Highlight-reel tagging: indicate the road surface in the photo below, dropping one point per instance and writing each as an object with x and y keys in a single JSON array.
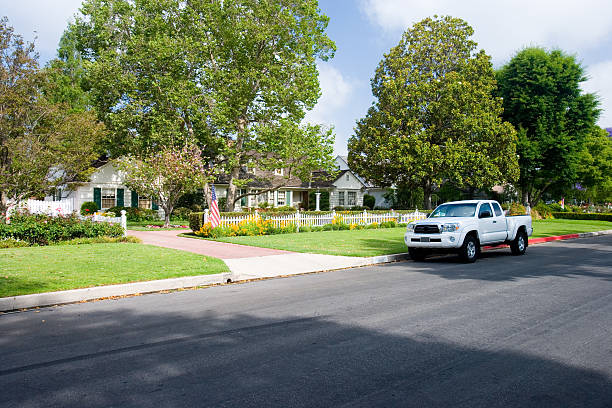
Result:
[{"x": 506, "y": 331}]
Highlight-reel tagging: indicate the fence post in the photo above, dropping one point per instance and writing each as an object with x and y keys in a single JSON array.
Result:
[
  {"x": 124, "y": 222},
  {"x": 205, "y": 219},
  {"x": 297, "y": 219}
]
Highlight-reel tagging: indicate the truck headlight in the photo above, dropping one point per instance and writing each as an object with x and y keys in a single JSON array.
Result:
[
  {"x": 410, "y": 227},
  {"x": 450, "y": 227}
]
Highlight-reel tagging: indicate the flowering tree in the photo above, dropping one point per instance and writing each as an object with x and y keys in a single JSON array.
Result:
[{"x": 166, "y": 175}]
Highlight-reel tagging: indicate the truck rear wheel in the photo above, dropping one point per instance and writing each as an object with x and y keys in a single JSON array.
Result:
[
  {"x": 417, "y": 254},
  {"x": 469, "y": 249},
  {"x": 519, "y": 245}
]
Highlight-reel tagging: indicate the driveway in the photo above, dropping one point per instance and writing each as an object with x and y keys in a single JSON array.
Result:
[{"x": 170, "y": 239}]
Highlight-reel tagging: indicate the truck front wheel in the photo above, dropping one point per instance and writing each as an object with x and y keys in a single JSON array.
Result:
[
  {"x": 469, "y": 249},
  {"x": 519, "y": 245}
]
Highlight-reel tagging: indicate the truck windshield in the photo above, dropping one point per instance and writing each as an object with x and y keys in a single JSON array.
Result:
[{"x": 454, "y": 210}]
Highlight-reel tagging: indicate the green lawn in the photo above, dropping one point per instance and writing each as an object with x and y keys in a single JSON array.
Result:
[
  {"x": 386, "y": 241},
  {"x": 50, "y": 268},
  {"x": 547, "y": 228}
]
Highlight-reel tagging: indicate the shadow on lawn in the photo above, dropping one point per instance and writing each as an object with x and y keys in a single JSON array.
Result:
[{"x": 120, "y": 357}]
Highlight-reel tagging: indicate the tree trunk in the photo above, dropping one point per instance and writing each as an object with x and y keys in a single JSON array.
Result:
[
  {"x": 231, "y": 189},
  {"x": 207, "y": 194},
  {"x": 427, "y": 194},
  {"x": 525, "y": 196},
  {"x": 167, "y": 217}
]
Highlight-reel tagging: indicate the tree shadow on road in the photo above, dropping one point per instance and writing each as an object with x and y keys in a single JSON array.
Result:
[
  {"x": 568, "y": 259},
  {"x": 103, "y": 356}
]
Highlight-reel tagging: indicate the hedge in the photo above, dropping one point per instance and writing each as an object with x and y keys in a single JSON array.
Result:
[
  {"x": 583, "y": 216},
  {"x": 43, "y": 230}
]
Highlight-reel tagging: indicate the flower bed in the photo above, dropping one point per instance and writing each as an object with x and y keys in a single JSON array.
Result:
[{"x": 269, "y": 227}]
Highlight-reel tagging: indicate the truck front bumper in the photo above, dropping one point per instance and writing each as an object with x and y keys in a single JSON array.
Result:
[{"x": 445, "y": 240}]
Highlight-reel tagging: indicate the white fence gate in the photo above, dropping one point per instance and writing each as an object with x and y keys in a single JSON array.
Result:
[{"x": 317, "y": 220}]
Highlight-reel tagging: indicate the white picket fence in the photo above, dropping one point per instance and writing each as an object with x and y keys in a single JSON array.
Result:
[
  {"x": 317, "y": 220},
  {"x": 53, "y": 208}
]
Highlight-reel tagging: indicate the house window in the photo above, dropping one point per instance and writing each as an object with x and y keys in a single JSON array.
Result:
[
  {"x": 352, "y": 198},
  {"x": 348, "y": 178},
  {"x": 108, "y": 197},
  {"x": 278, "y": 172},
  {"x": 144, "y": 202},
  {"x": 341, "y": 198},
  {"x": 281, "y": 198}
]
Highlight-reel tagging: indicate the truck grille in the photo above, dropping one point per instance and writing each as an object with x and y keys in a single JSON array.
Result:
[{"x": 426, "y": 229}]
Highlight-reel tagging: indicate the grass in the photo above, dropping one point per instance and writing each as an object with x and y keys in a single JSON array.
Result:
[
  {"x": 142, "y": 225},
  {"x": 385, "y": 241},
  {"x": 50, "y": 268},
  {"x": 547, "y": 228}
]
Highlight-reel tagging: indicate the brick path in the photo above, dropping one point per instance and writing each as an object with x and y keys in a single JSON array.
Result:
[{"x": 169, "y": 239}]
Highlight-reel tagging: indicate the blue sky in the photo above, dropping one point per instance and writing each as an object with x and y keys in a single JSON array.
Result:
[{"x": 366, "y": 29}]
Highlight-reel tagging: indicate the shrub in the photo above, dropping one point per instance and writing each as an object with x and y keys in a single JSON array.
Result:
[
  {"x": 88, "y": 208},
  {"x": 543, "y": 211},
  {"x": 180, "y": 213},
  {"x": 583, "y": 216},
  {"x": 12, "y": 243},
  {"x": 43, "y": 230},
  {"x": 515, "y": 209},
  {"x": 369, "y": 201},
  {"x": 135, "y": 214}
]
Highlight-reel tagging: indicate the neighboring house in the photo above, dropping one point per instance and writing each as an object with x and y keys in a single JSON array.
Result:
[
  {"x": 377, "y": 192},
  {"x": 346, "y": 189},
  {"x": 106, "y": 189}
]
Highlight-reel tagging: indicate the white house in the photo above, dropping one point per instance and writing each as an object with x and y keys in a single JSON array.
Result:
[
  {"x": 107, "y": 189},
  {"x": 346, "y": 189}
]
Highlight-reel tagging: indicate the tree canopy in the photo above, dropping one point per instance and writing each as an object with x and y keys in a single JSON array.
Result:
[
  {"x": 236, "y": 76},
  {"x": 43, "y": 144},
  {"x": 435, "y": 119},
  {"x": 553, "y": 117}
]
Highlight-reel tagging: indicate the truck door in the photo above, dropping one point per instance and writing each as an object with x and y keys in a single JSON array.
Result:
[
  {"x": 499, "y": 224},
  {"x": 485, "y": 223}
]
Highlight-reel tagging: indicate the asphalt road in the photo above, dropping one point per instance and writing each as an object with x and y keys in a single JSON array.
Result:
[{"x": 505, "y": 331}]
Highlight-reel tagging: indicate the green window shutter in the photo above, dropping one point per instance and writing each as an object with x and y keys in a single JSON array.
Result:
[
  {"x": 134, "y": 200},
  {"x": 98, "y": 197},
  {"x": 243, "y": 200},
  {"x": 120, "y": 197},
  {"x": 154, "y": 206}
]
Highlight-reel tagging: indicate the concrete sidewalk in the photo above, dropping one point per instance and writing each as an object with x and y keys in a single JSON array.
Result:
[{"x": 245, "y": 263}]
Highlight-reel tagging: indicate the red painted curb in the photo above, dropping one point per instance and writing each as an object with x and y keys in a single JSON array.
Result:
[
  {"x": 556, "y": 238},
  {"x": 537, "y": 241}
]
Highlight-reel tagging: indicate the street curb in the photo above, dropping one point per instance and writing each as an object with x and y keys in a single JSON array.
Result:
[{"x": 98, "y": 292}]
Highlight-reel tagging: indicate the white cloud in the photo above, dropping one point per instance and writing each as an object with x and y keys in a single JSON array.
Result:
[
  {"x": 45, "y": 19},
  {"x": 600, "y": 83},
  {"x": 336, "y": 91},
  {"x": 504, "y": 26}
]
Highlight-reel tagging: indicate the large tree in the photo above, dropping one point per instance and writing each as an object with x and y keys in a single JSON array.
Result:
[
  {"x": 234, "y": 75},
  {"x": 595, "y": 167},
  {"x": 553, "y": 117},
  {"x": 435, "y": 119},
  {"x": 43, "y": 145}
]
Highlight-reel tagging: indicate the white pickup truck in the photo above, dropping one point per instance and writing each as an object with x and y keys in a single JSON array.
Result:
[{"x": 463, "y": 226}]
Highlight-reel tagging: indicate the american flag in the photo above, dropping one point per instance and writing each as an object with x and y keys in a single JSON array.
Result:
[{"x": 215, "y": 219}]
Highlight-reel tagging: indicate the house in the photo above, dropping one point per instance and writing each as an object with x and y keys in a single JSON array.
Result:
[
  {"x": 107, "y": 189},
  {"x": 346, "y": 189}
]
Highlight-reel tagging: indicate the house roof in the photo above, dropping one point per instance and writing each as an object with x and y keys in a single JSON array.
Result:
[{"x": 609, "y": 131}]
